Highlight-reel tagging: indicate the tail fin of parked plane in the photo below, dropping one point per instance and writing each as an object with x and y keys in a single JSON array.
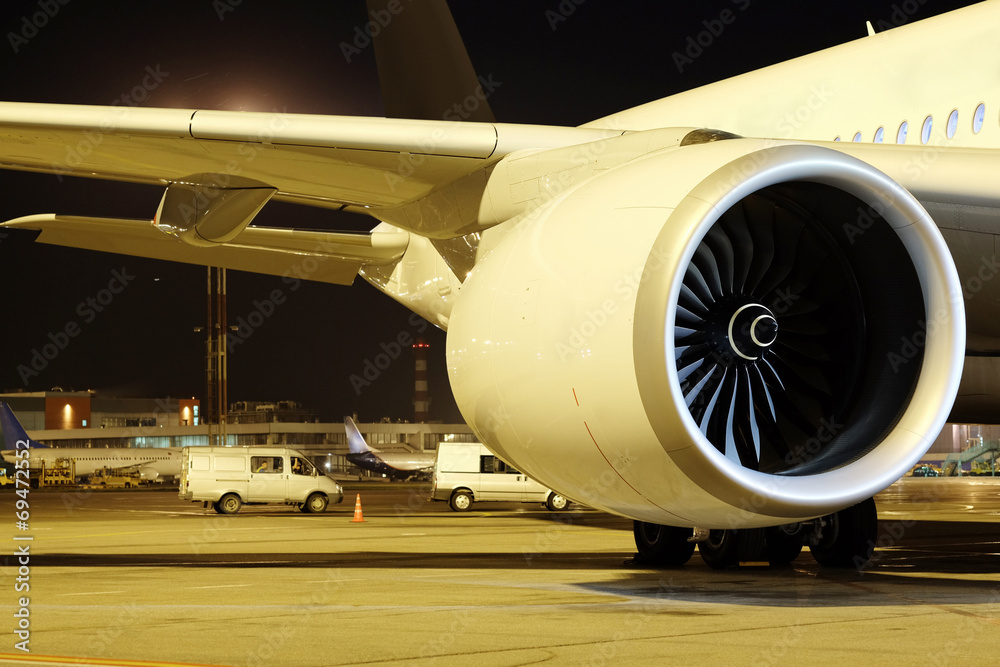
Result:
[
  {"x": 12, "y": 429},
  {"x": 356, "y": 441}
]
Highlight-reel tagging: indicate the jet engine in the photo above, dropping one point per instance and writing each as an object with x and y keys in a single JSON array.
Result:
[
  {"x": 149, "y": 474},
  {"x": 727, "y": 335}
]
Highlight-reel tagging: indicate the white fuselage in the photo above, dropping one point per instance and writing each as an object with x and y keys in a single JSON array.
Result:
[{"x": 164, "y": 462}]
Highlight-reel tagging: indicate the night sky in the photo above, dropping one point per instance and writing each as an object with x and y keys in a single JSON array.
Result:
[{"x": 553, "y": 62}]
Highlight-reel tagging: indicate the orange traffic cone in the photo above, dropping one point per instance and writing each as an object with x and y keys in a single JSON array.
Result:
[{"x": 358, "y": 516}]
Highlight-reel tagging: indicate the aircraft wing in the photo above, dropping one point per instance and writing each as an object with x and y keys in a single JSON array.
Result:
[
  {"x": 220, "y": 168},
  {"x": 330, "y": 161}
]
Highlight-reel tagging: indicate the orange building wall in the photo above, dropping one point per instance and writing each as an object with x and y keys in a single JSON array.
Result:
[
  {"x": 189, "y": 409},
  {"x": 63, "y": 413}
]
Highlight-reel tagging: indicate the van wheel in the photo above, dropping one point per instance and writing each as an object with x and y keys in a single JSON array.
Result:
[
  {"x": 216, "y": 507},
  {"x": 556, "y": 502},
  {"x": 461, "y": 501},
  {"x": 315, "y": 504},
  {"x": 229, "y": 504}
]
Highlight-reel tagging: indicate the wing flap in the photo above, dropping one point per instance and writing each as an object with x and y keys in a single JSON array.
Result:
[{"x": 323, "y": 256}]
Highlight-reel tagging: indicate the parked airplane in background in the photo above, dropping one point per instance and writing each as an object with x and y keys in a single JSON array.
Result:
[
  {"x": 393, "y": 464},
  {"x": 733, "y": 315},
  {"x": 152, "y": 463}
]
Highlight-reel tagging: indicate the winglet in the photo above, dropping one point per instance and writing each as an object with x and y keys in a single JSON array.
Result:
[
  {"x": 355, "y": 441},
  {"x": 13, "y": 431},
  {"x": 871, "y": 30}
]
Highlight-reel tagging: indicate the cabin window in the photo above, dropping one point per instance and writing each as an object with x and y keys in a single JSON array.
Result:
[
  {"x": 952, "y": 124},
  {"x": 925, "y": 129},
  {"x": 857, "y": 137},
  {"x": 979, "y": 118},
  {"x": 879, "y": 135},
  {"x": 901, "y": 134}
]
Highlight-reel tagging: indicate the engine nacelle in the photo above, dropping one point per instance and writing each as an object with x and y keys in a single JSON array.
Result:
[{"x": 734, "y": 334}]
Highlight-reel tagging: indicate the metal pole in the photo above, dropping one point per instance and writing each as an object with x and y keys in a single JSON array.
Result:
[{"x": 223, "y": 360}]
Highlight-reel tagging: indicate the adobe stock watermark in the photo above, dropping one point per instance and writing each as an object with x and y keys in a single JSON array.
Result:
[
  {"x": 77, "y": 154},
  {"x": 794, "y": 120},
  {"x": 901, "y": 14},
  {"x": 286, "y": 631},
  {"x": 409, "y": 163},
  {"x": 373, "y": 367},
  {"x": 87, "y": 310},
  {"x": 31, "y": 24},
  {"x": 696, "y": 45},
  {"x": 629, "y": 624},
  {"x": 247, "y": 324},
  {"x": 910, "y": 346},
  {"x": 595, "y": 319},
  {"x": 223, "y": 7},
  {"x": 444, "y": 643},
  {"x": 561, "y": 13},
  {"x": 378, "y": 21}
]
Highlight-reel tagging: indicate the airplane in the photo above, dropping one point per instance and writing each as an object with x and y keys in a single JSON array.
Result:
[
  {"x": 391, "y": 464},
  {"x": 152, "y": 463},
  {"x": 732, "y": 315}
]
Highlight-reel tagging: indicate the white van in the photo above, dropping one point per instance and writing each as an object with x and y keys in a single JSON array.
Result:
[
  {"x": 468, "y": 472},
  {"x": 230, "y": 477}
]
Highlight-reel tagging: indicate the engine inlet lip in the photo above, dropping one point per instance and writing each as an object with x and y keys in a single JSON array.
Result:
[{"x": 819, "y": 493}]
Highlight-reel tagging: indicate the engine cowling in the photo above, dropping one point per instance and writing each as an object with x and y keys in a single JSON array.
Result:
[{"x": 735, "y": 334}]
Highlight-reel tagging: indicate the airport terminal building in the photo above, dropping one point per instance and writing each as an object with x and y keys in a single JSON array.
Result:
[{"x": 83, "y": 419}]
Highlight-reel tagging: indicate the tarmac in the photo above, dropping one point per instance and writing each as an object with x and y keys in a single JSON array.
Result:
[{"x": 142, "y": 578}]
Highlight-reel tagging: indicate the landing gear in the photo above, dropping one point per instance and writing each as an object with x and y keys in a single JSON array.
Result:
[
  {"x": 662, "y": 546},
  {"x": 782, "y": 544},
  {"x": 847, "y": 538},
  {"x": 728, "y": 548},
  {"x": 844, "y": 539}
]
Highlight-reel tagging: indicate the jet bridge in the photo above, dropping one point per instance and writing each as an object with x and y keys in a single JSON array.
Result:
[{"x": 985, "y": 451}]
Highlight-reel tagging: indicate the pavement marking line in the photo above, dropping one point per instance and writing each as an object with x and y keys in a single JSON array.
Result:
[
  {"x": 219, "y": 586},
  {"x": 65, "y": 595},
  {"x": 102, "y": 662}
]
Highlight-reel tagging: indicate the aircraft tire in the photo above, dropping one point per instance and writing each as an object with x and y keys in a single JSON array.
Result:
[
  {"x": 661, "y": 546},
  {"x": 461, "y": 500},
  {"x": 230, "y": 504},
  {"x": 315, "y": 504},
  {"x": 849, "y": 538},
  {"x": 781, "y": 547},
  {"x": 556, "y": 502},
  {"x": 728, "y": 548}
]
